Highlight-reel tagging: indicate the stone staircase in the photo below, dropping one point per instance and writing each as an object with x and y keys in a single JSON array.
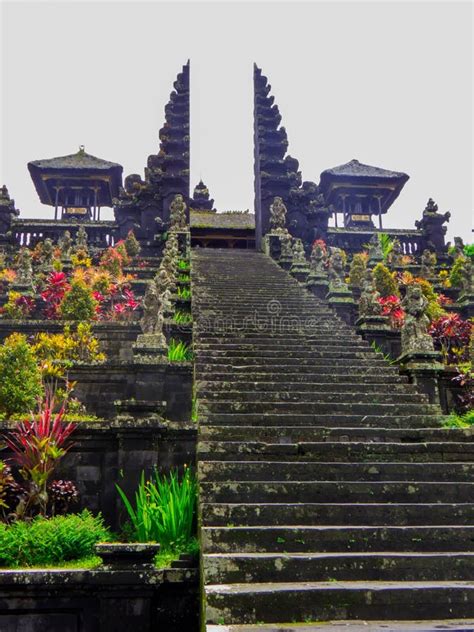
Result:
[{"x": 328, "y": 490}]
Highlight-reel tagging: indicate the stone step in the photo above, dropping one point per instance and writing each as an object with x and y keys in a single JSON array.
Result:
[
  {"x": 308, "y": 434},
  {"x": 371, "y": 377},
  {"x": 336, "y": 451},
  {"x": 212, "y": 471},
  {"x": 282, "y": 345},
  {"x": 322, "y": 601},
  {"x": 286, "y": 539},
  {"x": 453, "y": 625},
  {"x": 303, "y": 354},
  {"x": 362, "y": 514},
  {"x": 327, "y": 362},
  {"x": 326, "y": 420},
  {"x": 274, "y": 372},
  {"x": 322, "y": 406},
  {"x": 224, "y": 387},
  {"x": 231, "y": 568},
  {"x": 336, "y": 491},
  {"x": 293, "y": 395}
]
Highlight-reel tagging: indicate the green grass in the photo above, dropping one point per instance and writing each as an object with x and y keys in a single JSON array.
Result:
[
  {"x": 179, "y": 351},
  {"x": 459, "y": 421},
  {"x": 182, "y": 318},
  {"x": 184, "y": 293},
  {"x": 183, "y": 265}
]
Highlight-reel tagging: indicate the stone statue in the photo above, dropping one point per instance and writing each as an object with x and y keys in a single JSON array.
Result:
[
  {"x": 465, "y": 272},
  {"x": 375, "y": 250},
  {"x": 24, "y": 275},
  {"x": 415, "y": 336},
  {"x": 336, "y": 268},
  {"x": 428, "y": 262},
  {"x": 150, "y": 304},
  {"x": 47, "y": 255},
  {"x": 278, "y": 216},
  {"x": 65, "y": 243},
  {"x": 81, "y": 239},
  {"x": 431, "y": 224},
  {"x": 299, "y": 256},
  {"x": 318, "y": 258},
  {"x": 458, "y": 248},
  {"x": 286, "y": 247},
  {"x": 368, "y": 303},
  {"x": 178, "y": 213},
  {"x": 396, "y": 254},
  {"x": 164, "y": 280}
]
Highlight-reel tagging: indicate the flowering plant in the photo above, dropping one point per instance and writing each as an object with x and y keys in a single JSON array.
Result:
[{"x": 451, "y": 335}]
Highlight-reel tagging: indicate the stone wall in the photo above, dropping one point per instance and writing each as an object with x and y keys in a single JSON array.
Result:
[
  {"x": 99, "y": 600},
  {"x": 106, "y": 453}
]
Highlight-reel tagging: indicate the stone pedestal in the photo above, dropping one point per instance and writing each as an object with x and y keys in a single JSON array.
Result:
[
  {"x": 285, "y": 263},
  {"x": 318, "y": 285},
  {"x": 299, "y": 271},
  {"x": 341, "y": 300},
  {"x": 272, "y": 246},
  {"x": 150, "y": 349},
  {"x": 376, "y": 328},
  {"x": 423, "y": 369}
]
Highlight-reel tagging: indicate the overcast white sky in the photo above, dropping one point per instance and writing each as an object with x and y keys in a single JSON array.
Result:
[{"x": 387, "y": 83}]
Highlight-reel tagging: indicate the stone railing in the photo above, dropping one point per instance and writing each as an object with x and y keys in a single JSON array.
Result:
[
  {"x": 353, "y": 240},
  {"x": 27, "y": 232}
]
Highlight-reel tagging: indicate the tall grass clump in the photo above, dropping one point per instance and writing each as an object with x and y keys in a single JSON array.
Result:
[{"x": 164, "y": 510}]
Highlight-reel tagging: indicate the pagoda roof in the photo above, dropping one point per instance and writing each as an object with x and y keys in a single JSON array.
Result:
[
  {"x": 229, "y": 220},
  {"x": 358, "y": 169},
  {"x": 79, "y": 160}
]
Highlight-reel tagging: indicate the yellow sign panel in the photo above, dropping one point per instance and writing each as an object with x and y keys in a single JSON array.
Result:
[
  {"x": 76, "y": 210},
  {"x": 360, "y": 218}
]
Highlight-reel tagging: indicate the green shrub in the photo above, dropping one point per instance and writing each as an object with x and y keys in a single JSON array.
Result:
[
  {"x": 184, "y": 292},
  {"x": 385, "y": 282},
  {"x": 181, "y": 317},
  {"x": 457, "y": 271},
  {"x": 164, "y": 510},
  {"x": 78, "y": 303},
  {"x": 132, "y": 246},
  {"x": 386, "y": 243},
  {"x": 20, "y": 376},
  {"x": 460, "y": 421},
  {"x": 358, "y": 268},
  {"x": 51, "y": 540}
]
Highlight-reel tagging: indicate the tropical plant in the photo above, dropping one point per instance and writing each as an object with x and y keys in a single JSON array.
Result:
[
  {"x": 48, "y": 541},
  {"x": 132, "y": 246},
  {"x": 38, "y": 445},
  {"x": 18, "y": 306},
  {"x": 179, "y": 351},
  {"x": 451, "y": 335},
  {"x": 460, "y": 421},
  {"x": 392, "y": 307},
  {"x": 386, "y": 243},
  {"x": 164, "y": 510},
  {"x": 20, "y": 377},
  {"x": 53, "y": 293},
  {"x": 183, "y": 264},
  {"x": 464, "y": 380},
  {"x": 78, "y": 302},
  {"x": 469, "y": 250},
  {"x": 456, "y": 275},
  {"x": 384, "y": 280}
]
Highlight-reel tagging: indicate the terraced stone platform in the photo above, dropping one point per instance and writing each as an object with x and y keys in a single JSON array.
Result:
[{"x": 328, "y": 489}]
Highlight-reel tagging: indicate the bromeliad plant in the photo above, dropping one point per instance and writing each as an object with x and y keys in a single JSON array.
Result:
[
  {"x": 164, "y": 510},
  {"x": 38, "y": 445}
]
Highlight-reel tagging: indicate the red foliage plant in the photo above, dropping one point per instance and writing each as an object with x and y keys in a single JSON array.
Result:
[
  {"x": 56, "y": 287},
  {"x": 38, "y": 445},
  {"x": 391, "y": 307},
  {"x": 451, "y": 335}
]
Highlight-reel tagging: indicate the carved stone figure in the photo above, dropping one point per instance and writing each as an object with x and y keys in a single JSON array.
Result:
[
  {"x": 81, "y": 239},
  {"x": 428, "y": 262},
  {"x": 368, "y": 303},
  {"x": 318, "y": 259},
  {"x": 47, "y": 254},
  {"x": 415, "y": 336},
  {"x": 152, "y": 319},
  {"x": 178, "y": 213},
  {"x": 375, "y": 250},
  {"x": 299, "y": 256},
  {"x": 458, "y": 248},
  {"x": 65, "y": 243},
  {"x": 24, "y": 274},
  {"x": 337, "y": 269},
  {"x": 286, "y": 248},
  {"x": 465, "y": 272},
  {"x": 396, "y": 254},
  {"x": 431, "y": 224},
  {"x": 278, "y": 216}
]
